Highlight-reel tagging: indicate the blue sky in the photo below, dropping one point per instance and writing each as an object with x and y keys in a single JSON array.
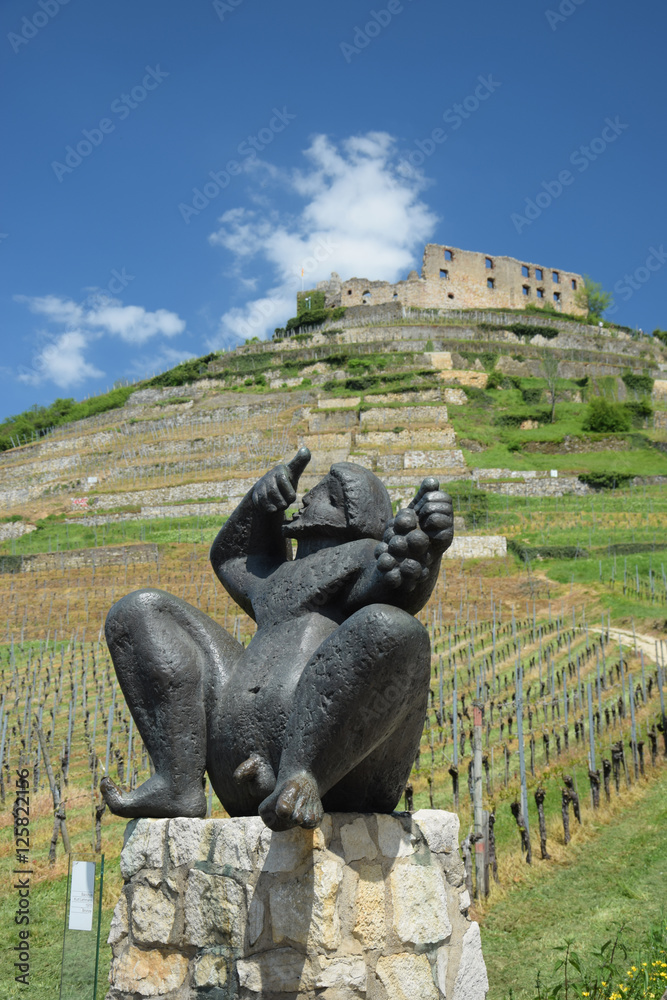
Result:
[{"x": 169, "y": 168}]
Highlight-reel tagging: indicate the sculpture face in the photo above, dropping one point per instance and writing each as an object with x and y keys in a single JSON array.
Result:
[{"x": 322, "y": 512}]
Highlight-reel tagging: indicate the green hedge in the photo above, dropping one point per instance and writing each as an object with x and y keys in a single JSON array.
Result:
[
  {"x": 605, "y": 480},
  {"x": 526, "y": 331},
  {"x": 37, "y": 421},
  {"x": 529, "y": 552},
  {"x": 187, "y": 371},
  {"x": 638, "y": 383}
]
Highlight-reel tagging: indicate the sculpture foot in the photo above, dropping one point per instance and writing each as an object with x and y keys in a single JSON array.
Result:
[
  {"x": 256, "y": 771},
  {"x": 296, "y": 802},
  {"x": 154, "y": 799}
]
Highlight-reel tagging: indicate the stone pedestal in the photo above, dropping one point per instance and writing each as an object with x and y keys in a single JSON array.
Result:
[{"x": 367, "y": 907}]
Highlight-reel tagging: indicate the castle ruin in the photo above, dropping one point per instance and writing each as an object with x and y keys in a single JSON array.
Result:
[{"x": 463, "y": 279}]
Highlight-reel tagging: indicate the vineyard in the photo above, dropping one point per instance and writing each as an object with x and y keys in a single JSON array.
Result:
[{"x": 545, "y": 727}]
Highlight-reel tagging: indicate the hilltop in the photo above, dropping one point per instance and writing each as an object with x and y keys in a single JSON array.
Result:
[{"x": 465, "y": 395}]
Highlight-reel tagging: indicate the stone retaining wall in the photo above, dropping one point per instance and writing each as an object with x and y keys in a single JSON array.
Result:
[
  {"x": 365, "y": 906},
  {"x": 477, "y": 547},
  {"x": 118, "y": 555},
  {"x": 538, "y": 487}
]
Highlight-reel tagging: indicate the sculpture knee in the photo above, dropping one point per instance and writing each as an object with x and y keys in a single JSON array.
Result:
[
  {"x": 396, "y": 635},
  {"x": 130, "y": 612}
]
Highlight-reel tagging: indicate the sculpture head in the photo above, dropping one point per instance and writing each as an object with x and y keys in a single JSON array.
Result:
[{"x": 350, "y": 502}]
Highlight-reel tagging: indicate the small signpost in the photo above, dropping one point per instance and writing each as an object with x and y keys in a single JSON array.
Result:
[{"x": 81, "y": 935}]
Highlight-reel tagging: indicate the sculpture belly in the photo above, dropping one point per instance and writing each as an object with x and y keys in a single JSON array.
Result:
[{"x": 250, "y": 713}]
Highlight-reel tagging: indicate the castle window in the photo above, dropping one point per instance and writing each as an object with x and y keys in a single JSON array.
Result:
[
  {"x": 449, "y": 255},
  {"x": 539, "y": 274},
  {"x": 449, "y": 295},
  {"x": 540, "y": 293},
  {"x": 526, "y": 290},
  {"x": 525, "y": 271},
  {"x": 556, "y": 296},
  {"x": 490, "y": 283},
  {"x": 395, "y": 295},
  {"x": 488, "y": 262},
  {"x": 556, "y": 276},
  {"x": 366, "y": 297},
  {"x": 574, "y": 285},
  {"x": 349, "y": 291},
  {"x": 444, "y": 274}
]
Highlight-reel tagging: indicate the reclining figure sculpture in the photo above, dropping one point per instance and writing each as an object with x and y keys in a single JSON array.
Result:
[{"x": 324, "y": 708}]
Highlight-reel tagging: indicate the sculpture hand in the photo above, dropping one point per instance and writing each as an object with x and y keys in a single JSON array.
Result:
[
  {"x": 277, "y": 489},
  {"x": 415, "y": 537},
  {"x": 435, "y": 512},
  {"x": 402, "y": 555}
]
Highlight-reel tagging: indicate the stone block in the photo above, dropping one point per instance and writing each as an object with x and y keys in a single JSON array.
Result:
[
  {"x": 357, "y": 842},
  {"x": 370, "y": 923},
  {"x": 471, "y": 981},
  {"x": 281, "y": 971},
  {"x": 407, "y": 976},
  {"x": 153, "y": 916},
  {"x": 304, "y": 909},
  {"x": 213, "y": 909},
  {"x": 420, "y": 905},
  {"x": 148, "y": 973},
  {"x": 144, "y": 846},
  {"x": 363, "y": 906}
]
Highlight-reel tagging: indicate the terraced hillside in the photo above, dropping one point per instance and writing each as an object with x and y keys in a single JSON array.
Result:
[{"x": 467, "y": 401}]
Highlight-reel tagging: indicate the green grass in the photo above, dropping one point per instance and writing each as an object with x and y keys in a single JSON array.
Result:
[
  {"x": 615, "y": 878},
  {"x": 54, "y": 536}
]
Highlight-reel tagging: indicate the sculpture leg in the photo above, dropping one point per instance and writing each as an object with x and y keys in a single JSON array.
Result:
[
  {"x": 357, "y": 716},
  {"x": 169, "y": 657}
]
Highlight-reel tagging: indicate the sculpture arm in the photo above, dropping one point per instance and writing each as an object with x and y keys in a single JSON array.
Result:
[{"x": 250, "y": 545}]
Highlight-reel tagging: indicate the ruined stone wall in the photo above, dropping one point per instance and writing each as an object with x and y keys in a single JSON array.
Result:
[{"x": 464, "y": 279}]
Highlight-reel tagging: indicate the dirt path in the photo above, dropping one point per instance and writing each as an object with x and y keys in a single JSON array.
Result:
[{"x": 645, "y": 643}]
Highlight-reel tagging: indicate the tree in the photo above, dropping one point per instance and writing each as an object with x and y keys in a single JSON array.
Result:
[
  {"x": 550, "y": 370},
  {"x": 591, "y": 297}
]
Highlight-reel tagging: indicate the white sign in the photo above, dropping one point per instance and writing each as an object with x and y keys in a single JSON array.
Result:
[
  {"x": 81, "y": 896},
  {"x": 554, "y": 473},
  {"x": 92, "y": 479}
]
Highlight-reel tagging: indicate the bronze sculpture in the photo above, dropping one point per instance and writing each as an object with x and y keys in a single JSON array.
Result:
[{"x": 324, "y": 709}]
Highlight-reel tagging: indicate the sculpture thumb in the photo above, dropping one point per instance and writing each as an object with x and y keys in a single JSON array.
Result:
[
  {"x": 429, "y": 485},
  {"x": 298, "y": 464}
]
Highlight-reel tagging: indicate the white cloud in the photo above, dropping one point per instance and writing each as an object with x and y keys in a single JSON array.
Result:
[
  {"x": 62, "y": 361},
  {"x": 133, "y": 324},
  {"x": 361, "y": 215}
]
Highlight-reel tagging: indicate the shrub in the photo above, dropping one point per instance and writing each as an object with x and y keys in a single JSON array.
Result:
[
  {"x": 605, "y": 480},
  {"x": 638, "y": 383},
  {"x": 531, "y": 394},
  {"x": 525, "y": 331},
  {"x": 527, "y": 553},
  {"x": 495, "y": 380},
  {"x": 515, "y": 419},
  {"x": 603, "y": 417},
  {"x": 187, "y": 371},
  {"x": 639, "y": 411}
]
